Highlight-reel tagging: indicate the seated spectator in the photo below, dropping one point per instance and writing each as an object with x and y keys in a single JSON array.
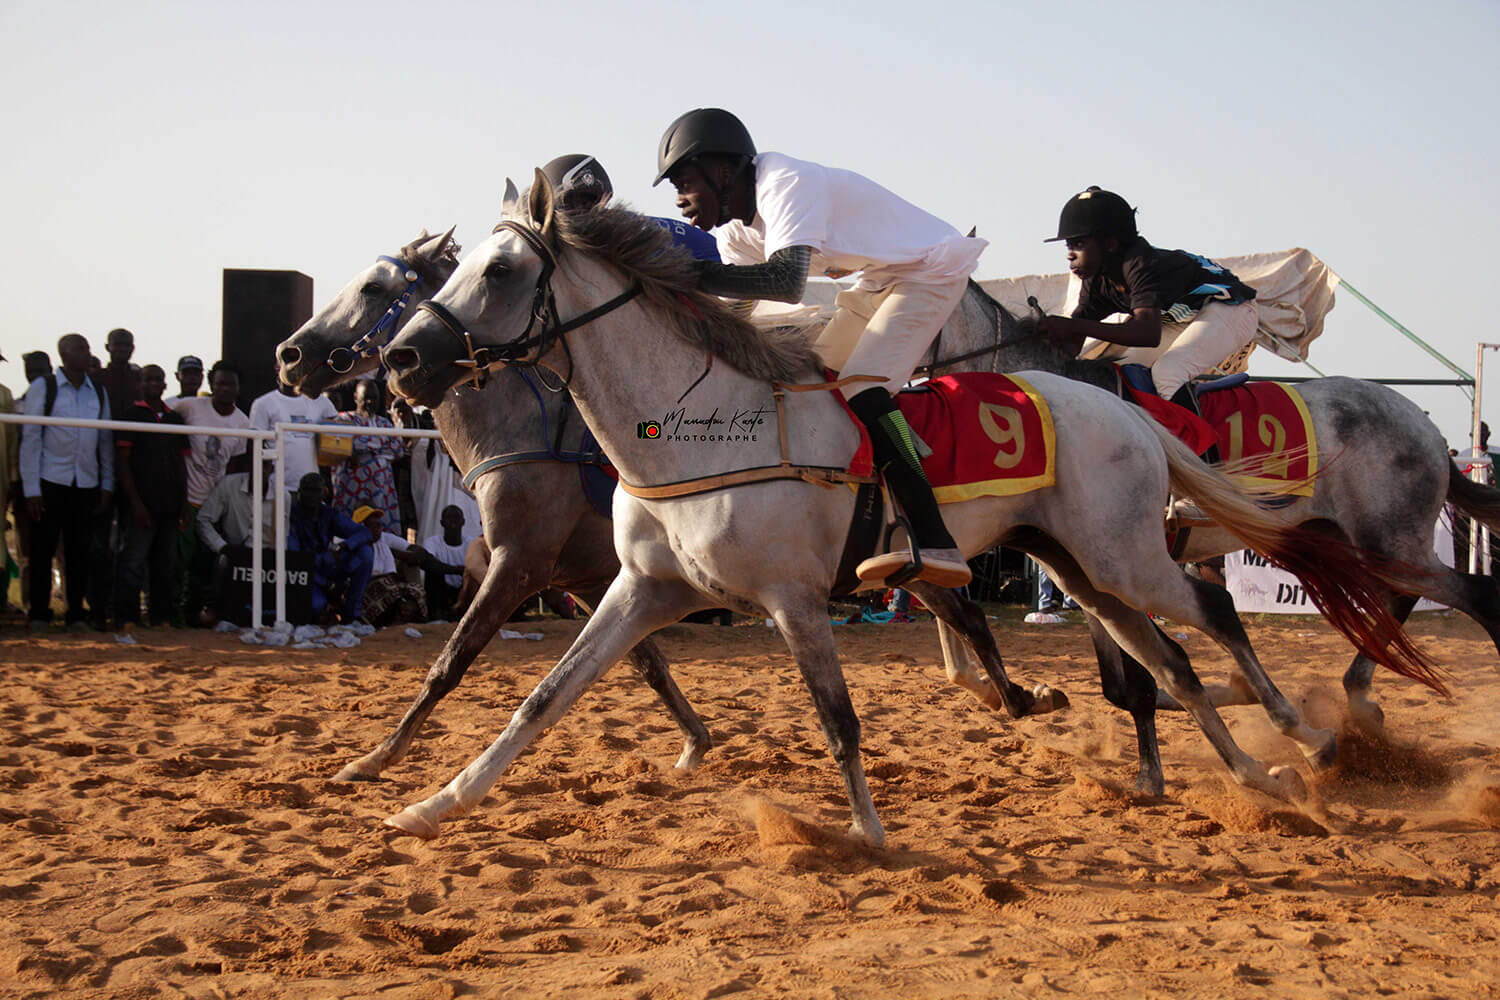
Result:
[
  {"x": 390, "y": 598},
  {"x": 312, "y": 526},
  {"x": 224, "y": 523},
  {"x": 368, "y": 476},
  {"x": 189, "y": 376},
  {"x": 68, "y": 477},
  {"x": 444, "y": 578},
  {"x": 152, "y": 473},
  {"x": 10, "y": 444}
]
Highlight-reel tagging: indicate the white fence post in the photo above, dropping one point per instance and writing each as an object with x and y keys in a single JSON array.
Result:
[{"x": 257, "y": 535}]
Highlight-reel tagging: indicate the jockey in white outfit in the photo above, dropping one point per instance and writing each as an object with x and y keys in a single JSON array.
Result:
[{"x": 776, "y": 219}]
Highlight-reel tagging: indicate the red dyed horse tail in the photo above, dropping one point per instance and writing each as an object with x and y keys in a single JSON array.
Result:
[{"x": 1347, "y": 584}]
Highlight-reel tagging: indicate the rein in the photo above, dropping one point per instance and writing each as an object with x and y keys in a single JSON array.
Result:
[
  {"x": 551, "y": 450},
  {"x": 343, "y": 359},
  {"x": 543, "y": 311}
]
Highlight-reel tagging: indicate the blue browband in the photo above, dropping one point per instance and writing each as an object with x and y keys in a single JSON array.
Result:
[{"x": 342, "y": 360}]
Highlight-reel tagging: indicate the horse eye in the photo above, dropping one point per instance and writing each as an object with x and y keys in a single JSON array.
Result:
[
  {"x": 371, "y": 288},
  {"x": 496, "y": 269}
]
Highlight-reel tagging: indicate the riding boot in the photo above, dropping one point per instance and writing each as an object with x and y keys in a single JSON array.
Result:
[
  {"x": 896, "y": 457},
  {"x": 1187, "y": 398}
]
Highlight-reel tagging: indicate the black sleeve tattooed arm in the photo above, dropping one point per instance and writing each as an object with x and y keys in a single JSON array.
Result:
[{"x": 781, "y": 278}]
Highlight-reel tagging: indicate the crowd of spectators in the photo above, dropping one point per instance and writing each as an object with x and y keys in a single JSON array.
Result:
[{"x": 144, "y": 529}]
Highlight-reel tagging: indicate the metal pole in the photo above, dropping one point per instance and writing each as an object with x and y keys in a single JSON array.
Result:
[
  {"x": 1408, "y": 334},
  {"x": 279, "y": 529},
  {"x": 257, "y": 535}
]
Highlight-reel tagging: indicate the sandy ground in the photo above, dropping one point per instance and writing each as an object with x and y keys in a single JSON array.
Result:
[{"x": 170, "y": 830}]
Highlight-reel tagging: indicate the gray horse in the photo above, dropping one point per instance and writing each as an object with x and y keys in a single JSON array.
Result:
[
  {"x": 506, "y": 420},
  {"x": 1384, "y": 476},
  {"x": 753, "y": 525}
]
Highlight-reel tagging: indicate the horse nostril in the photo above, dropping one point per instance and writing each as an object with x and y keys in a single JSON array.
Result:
[
  {"x": 289, "y": 356},
  {"x": 401, "y": 359}
]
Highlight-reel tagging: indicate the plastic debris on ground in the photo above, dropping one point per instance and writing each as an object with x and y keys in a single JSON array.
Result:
[
  {"x": 1044, "y": 618},
  {"x": 305, "y": 633},
  {"x": 125, "y": 639},
  {"x": 226, "y": 627},
  {"x": 251, "y": 637},
  {"x": 411, "y": 633},
  {"x": 506, "y": 633}
]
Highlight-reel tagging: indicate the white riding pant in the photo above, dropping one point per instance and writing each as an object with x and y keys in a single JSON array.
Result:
[
  {"x": 1188, "y": 350},
  {"x": 885, "y": 332}
]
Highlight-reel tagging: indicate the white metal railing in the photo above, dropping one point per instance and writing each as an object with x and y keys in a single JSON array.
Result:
[{"x": 257, "y": 439}]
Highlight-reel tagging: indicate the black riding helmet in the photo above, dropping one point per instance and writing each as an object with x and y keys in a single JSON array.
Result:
[
  {"x": 579, "y": 180},
  {"x": 1095, "y": 212},
  {"x": 700, "y": 132}
]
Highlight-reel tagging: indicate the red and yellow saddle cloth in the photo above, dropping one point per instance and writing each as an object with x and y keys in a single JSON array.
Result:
[
  {"x": 990, "y": 435},
  {"x": 1268, "y": 424}
]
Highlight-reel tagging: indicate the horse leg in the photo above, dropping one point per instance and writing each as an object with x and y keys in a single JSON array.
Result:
[
  {"x": 1149, "y": 579},
  {"x": 1365, "y": 711},
  {"x": 804, "y": 624},
  {"x": 967, "y": 618},
  {"x": 505, "y": 586},
  {"x": 633, "y": 607},
  {"x": 1217, "y": 618},
  {"x": 1129, "y": 686},
  {"x": 964, "y": 671},
  {"x": 648, "y": 661}
]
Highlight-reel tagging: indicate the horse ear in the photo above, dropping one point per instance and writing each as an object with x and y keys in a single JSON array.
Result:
[
  {"x": 542, "y": 204},
  {"x": 433, "y": 248},
  {"x": 973, "y": 231},
  {"x": 510, "y": 205}
]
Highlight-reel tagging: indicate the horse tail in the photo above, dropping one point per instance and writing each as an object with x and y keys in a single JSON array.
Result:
[
  {"x": 1479, "y": 500},
  {"x": 1347, "y": 584}
]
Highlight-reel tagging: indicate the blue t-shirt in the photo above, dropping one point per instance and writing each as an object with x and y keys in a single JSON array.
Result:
[{"x": 692, "y": 239}]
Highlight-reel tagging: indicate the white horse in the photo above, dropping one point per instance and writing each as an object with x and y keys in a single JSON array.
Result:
[
  {"x": 540, "y": 527},
  {"x": 765, "y": 532}
]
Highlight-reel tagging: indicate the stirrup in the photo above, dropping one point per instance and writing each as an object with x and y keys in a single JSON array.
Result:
[{"x": 895, "y": 568}]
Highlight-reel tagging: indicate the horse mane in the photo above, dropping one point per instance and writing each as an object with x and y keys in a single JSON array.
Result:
[{"x": 668, "y": 276}]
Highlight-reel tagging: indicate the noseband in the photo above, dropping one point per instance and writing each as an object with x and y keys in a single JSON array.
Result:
[
  {"x": 343, "y": 359},
  {"x": 527, "y": 349}
]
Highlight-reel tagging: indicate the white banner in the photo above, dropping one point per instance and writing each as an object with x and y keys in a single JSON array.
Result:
[{"x": 1260, "y": 588}]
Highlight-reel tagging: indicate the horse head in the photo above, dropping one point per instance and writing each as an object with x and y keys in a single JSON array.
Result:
[
  {"x": 485, "y": 313},
  {"x": 342, "y": 341}
]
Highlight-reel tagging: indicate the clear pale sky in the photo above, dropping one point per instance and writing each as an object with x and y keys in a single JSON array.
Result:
[{"x": 151, "y": 146}]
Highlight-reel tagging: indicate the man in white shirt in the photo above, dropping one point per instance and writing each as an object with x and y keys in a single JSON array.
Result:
[
  {"x": 283, "y": 405},
  {"x": 447, "y": 548},
  {"x": 68, "y": 479},
  {"x": 778, "y": 217},
  {"x": 208, "y": 458}
]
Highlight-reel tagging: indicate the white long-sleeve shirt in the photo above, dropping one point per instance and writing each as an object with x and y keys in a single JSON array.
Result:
[{"x": 67, "y": 456}]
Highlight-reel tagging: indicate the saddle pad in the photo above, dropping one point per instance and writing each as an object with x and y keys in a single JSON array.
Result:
[
  {"x": 990, "y": 435},
  {"x": 1265, "y": 421}
]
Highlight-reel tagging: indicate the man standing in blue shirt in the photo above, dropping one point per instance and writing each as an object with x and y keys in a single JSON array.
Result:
[{"x": 68, "y": 479}]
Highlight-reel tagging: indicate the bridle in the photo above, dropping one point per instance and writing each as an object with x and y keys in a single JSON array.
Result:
[
  {"x": 343, "y": 359},
  {"x": 526, "y": 350}
]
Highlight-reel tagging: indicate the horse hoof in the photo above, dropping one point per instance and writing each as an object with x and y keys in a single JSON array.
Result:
[
  {"x": 873, "y": 836},
  {"x": 1368, "y": 717},
  {"x": 1150, "y": 786},
  {"x": 357, "y": 771},
  {"x": 692, "y": 756},
  {"x": 1046, "y": 699},
  {"x": 1327, "y": 753},
  {"x": 1289, "y": 784},
  {"x": 411, "y": 820}
]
